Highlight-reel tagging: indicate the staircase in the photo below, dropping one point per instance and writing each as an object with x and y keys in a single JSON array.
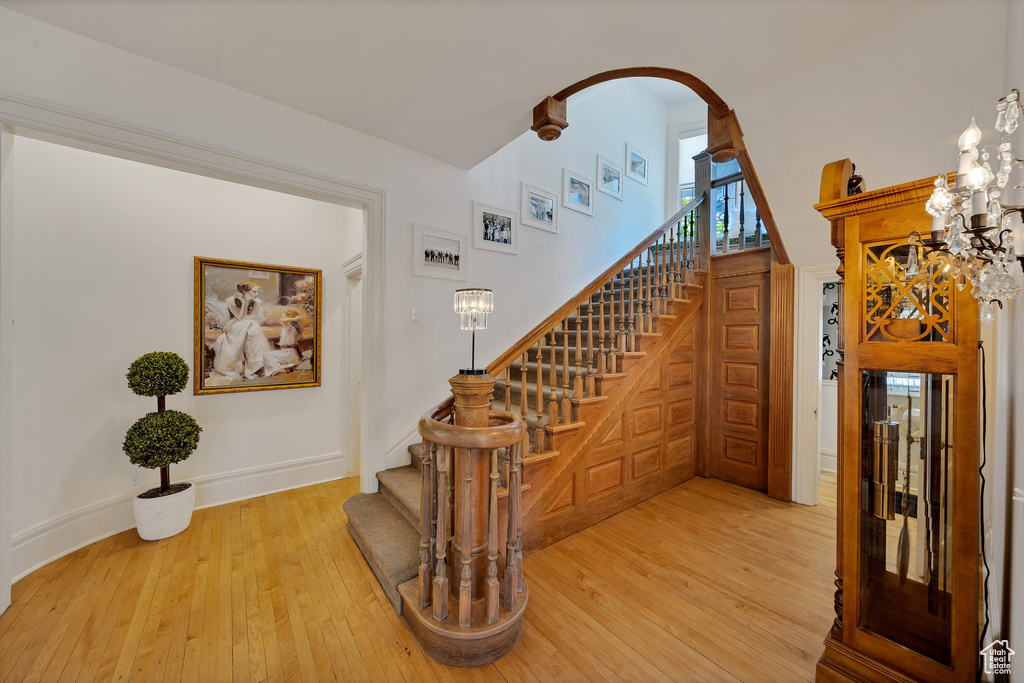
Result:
[{"x": 566, "y": 380}]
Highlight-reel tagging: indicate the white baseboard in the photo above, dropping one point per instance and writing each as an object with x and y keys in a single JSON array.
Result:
[
  {"x": 829, "y": 461},
  {"x": 54, "y": 538}
]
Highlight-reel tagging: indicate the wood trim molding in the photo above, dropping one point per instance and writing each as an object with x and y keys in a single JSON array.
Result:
[
  {"x": 780, "y": 369},
  {"x": 915, "y": 192},
  {"x": 725, "y": 138},
  {"x": 716, "y": 103}
]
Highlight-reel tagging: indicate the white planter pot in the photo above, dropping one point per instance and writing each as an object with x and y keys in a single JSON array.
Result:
[{"x": 164, "y": 516}]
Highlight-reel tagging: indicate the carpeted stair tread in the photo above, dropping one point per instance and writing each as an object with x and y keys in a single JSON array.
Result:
[
  {"x": 401, "y": 486},
  {"x": 388, "y": 542}
]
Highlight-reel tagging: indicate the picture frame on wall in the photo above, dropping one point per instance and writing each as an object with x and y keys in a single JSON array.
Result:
[
  {"x": 539, "y": 208},
  {"x": 638, "y": 164},
  {"x": 438, "y": 253},
  {"x": 495, "y": 228},
  {"x": 257, "y": 326},
  {"x": 577, "y": 192},
  {"x": 609, "y": 177}
]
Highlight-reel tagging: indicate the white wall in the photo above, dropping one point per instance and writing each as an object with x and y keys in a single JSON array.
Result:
[
  {"x": 871, "y": 94},
  {"x": 6, "y": 366},
  {"x": 1005, "y": 525},
  {"x": 103, "y": 274}
]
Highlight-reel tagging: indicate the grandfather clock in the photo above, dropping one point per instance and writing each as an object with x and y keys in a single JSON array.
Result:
[{"x": 907, "y": 568}]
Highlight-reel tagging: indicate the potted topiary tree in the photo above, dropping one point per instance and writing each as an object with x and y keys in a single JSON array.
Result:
[{"x": 157, "y": 441}]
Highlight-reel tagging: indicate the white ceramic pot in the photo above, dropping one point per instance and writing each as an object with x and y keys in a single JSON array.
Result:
[{"x": 164, "y": 516}]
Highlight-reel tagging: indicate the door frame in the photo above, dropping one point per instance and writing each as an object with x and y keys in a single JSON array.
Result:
[
  {"x": 51, "y": 122},
  {"x": 807, "y": 459},
  {"x": 353, "y": 272}
]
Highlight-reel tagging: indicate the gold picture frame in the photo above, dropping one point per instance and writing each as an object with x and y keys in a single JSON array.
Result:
[{"x": 257, "y": 326}]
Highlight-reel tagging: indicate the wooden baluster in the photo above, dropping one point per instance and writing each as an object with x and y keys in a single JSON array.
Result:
[
  {"x": 524, "y": 408},
  {"x": 645, "y": 292},
  {"x": 620, "y": 345},
  {"x": 427, "y": 522},
  {"x": 566, "y": 405},
  {"x": 725, "y": 220},
  {"x": 508, "y": 389},
  {"x": 677, "y": 272},
  {"x": 612, "y": 360},
  {"x": 538, "y": 433},
  {"x": 577, "y": 385},
  {"x": 440, "y": 596},
  {"x": 491, "y": 585},
  {"x": 511, "y": 575},
  {"x": 466, "y": 545},
  {"x": 634, "y": 305},
  {"x": 662, "y": 280},
  {"x": 591, "y": 386},
  {"x": 743, "y": 193},
  {"x": 670, "y": 273},
  {"x": 553, "y": 381},
  {"x": 602, "y": 355},
  {"x": 518, "y": 490},
  {"x": 757, "y": 226}
]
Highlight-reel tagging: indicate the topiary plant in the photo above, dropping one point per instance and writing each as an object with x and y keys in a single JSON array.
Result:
[{"x": 159, "y": 439}]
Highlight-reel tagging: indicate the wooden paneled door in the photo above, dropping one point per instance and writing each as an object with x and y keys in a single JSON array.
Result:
[{"x": 738, "y": 356}]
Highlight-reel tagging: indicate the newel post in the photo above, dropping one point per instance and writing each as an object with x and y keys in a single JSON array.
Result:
[{"x": 470, "y": 481}]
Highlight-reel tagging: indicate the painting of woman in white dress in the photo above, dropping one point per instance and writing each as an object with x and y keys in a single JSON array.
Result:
[{"x": 257, "y": 326}]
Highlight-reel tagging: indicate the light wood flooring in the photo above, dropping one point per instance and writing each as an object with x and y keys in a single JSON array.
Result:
[{"x": 707, "y": 581}]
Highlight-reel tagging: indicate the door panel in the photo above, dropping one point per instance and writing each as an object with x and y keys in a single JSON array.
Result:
[{"x": 738, "y": 355}]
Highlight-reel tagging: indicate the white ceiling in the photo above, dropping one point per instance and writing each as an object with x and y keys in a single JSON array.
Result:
[{"x": 453, "y": 79}]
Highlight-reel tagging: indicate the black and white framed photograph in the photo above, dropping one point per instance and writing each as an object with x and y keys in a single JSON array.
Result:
[
  {"x": 638, "y": 164},
  {"x": 609, "y": 177},
  {"x": 539, "y": 208},
  {"x": 438, "y": 253},
  {"x": 495, "y": 228},
  {"x": 577, "y": 192}
]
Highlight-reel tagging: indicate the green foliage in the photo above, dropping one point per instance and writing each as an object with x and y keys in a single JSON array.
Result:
[
  {"x": 161, "y": 439},
  {"x": 160, "y": 373}
]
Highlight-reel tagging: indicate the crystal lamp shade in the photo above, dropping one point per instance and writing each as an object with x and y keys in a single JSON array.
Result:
[{"x": 473, "y": 305}]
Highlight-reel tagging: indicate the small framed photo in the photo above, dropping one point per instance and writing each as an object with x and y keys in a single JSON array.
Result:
[
  {"x": 637, "y": 164},
  {"x": 495, "y": 228},
  {"x": 437, "y": 253},
  {"x": 609, "y": 177},
  {"x": 539, "y": 208},
  {"x": 577, "y": 192}
]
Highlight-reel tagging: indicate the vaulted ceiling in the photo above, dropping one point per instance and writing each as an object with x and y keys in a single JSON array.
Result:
[
  {"x": 455, "y": 79},
  {"x": 811, "y": 80}
]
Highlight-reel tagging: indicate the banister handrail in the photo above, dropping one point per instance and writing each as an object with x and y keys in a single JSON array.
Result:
[
  {"x": 531, "y": 338},
  {"x": 504, "y": 430}
]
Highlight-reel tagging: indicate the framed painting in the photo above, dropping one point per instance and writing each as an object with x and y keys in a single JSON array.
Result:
[
  {"x": 577, "y": 192},
  {"x": 539, "y": 208},
  {"x": 438, "y": 253},
  {"x": 257, "y": 326},
  {"x": 609, "y": 177},
  {"x": 495, "y": 228},
  {"x": 638, "y": 164}
]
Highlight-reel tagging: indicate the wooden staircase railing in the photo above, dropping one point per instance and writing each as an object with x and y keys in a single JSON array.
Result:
[
  {"x": 597, "y": 328},
  {"x": 459, "y": 530},
  {"x": 624, "y": 299}
]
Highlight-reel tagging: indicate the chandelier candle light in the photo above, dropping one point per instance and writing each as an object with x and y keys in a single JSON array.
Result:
[
  {"x": 972, "y": 233},
  {"x": 473, "y": 305}
]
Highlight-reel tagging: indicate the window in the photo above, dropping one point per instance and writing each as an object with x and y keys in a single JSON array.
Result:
[{"x": 689, "y": 147}]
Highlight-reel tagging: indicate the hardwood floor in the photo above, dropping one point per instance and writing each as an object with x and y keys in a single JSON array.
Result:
[{"x": 707, "y": 581}]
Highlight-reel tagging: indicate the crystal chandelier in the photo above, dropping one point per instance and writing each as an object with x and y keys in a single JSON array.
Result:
[{"x": 972, "y": 234}]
